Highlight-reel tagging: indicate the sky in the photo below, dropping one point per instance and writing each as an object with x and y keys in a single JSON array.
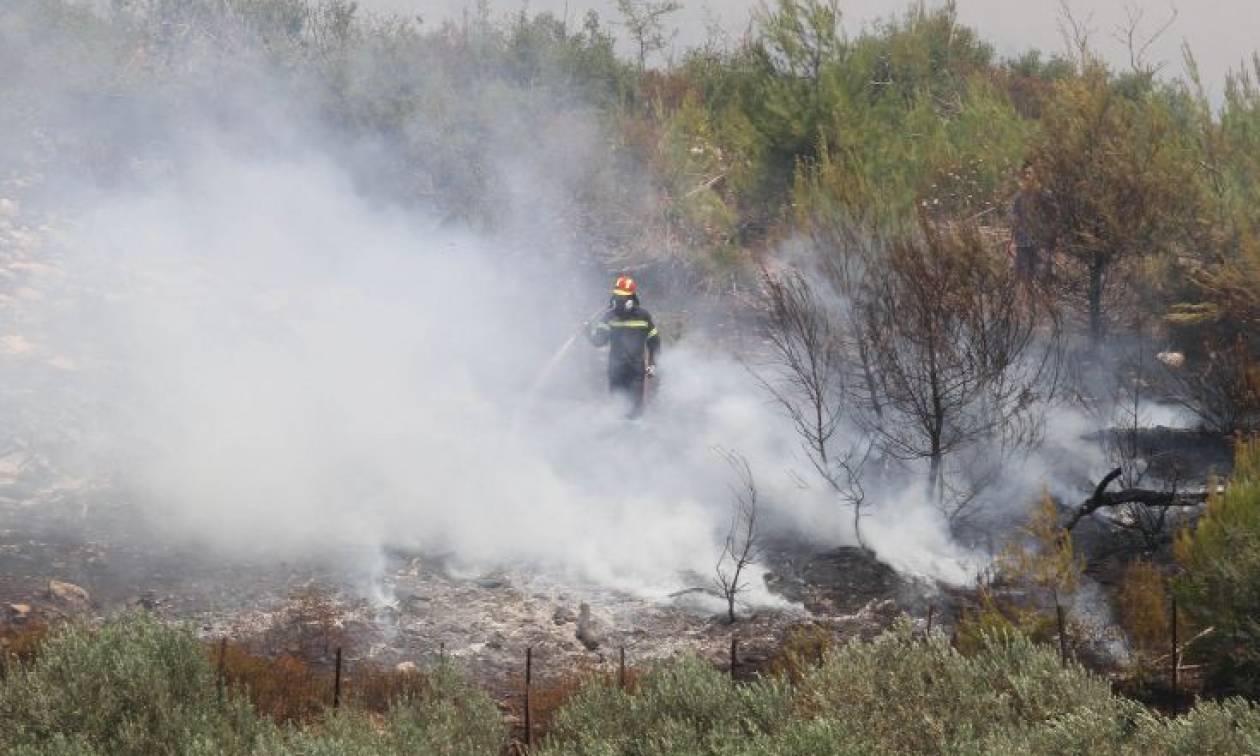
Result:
[{"x": 1221, "y": 32}]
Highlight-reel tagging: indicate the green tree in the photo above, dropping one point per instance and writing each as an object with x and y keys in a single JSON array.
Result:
[{"x": 1114, "y": 186}]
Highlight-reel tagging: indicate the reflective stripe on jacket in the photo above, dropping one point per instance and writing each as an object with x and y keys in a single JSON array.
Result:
[{"x": 629, "y": 338}]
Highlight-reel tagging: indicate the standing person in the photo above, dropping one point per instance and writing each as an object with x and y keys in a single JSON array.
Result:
[{"x": 633, "y": 343}]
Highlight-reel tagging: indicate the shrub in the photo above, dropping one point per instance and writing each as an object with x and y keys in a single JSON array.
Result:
[
  {"x": 1144, "y": 608},
  {"x": 1220, "y": 584},
  {"x": 135, "y": 686},
  {"x": 805, "y": 647},
  {"x": 131, "y": 686},
  {"x": 285, "y": 689},
  {"x": 687, "y": 707},
  {"x": 549, "y": 697},
  {"x": 905, "y": 694},
  {"x": 377, "y": 689},
  {"x": 451, "y": 718},
  {"x": 993, "y": 616},
  {"x": 21, "y": 643},
  {"x": 1229, "y": 727}
]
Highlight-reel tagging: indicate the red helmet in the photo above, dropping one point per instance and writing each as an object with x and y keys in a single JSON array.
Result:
[{"x": 625, "y": 287}]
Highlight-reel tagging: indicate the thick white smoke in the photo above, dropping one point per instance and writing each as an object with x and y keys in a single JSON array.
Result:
[
  {"x": 278, "y": 367},
  {"x": 263, "y": 356}
]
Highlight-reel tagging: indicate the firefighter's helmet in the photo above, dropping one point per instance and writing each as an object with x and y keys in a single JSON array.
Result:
[
  {"x": 625, "y": 287},
  {"x": 625, "y": 295}
]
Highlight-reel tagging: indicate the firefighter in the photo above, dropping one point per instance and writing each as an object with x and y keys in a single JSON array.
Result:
[{"x": 633, "y": 343}]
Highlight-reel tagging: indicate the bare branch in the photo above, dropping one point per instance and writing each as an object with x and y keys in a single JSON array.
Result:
[
  {"x": 1076, "y": 34},
  {"x": 741, "y": 548},
  {"x": 1130, "y": 35}
]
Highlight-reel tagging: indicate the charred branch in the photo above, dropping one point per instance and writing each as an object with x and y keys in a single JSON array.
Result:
[{"x": 1102, "y": 499}]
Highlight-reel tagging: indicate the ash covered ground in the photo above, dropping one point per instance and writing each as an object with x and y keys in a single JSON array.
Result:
[{"x": 413, "y": 607}]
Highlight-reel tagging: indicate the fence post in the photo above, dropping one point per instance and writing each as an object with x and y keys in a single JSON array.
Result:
[
  {"x": 1176, "y": 661},
  {"x": 734, "y": 654},
  {"x": 931, "y": 612},
  {"x": 621, "y": 669},
  {"x": 529, "y": 679},
  {"x": 337, "y": 682},
  {"x": 220, "y": 678},
  {"x": 1063, "y": 653}
]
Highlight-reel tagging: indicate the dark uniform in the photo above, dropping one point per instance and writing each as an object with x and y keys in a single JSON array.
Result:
[{"x": 631, "y": 336}]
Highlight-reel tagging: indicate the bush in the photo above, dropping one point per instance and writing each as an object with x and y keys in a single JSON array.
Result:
[
  {"x": 132, "y": 686},
  {"x": 21, "y": 643},
  {"x": 905, "y": 694},
  {"x": 1144, "y": 608},
  {"x": 688, "y": 707},
  {"x": 284, "y": 689},
  {"x": 1220, "y": 584},
  {"x": 897, "y": 694},
  {"x": 994, "y": 616},
  {"x": 451, "y": 718},
  {"x": 135, "y": 686},
  {"x": 805, "y": 647}
]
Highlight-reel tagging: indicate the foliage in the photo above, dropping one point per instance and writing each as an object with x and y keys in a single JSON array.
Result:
[
  {"x": 688, "y": 707},
  {"x": 1043, "y": 557},
  {"x": 995, "y": 616},
  {"x": 1219, "y": 586},
  {"x": 136, "y": 686},
  {"x": 898, "y": 694},
  {"x": 1112, "y": 185},
  {"x": 450, "y": 718},
  {"x": 132, "y": 686},
  {"x": 804, "y": 647}
]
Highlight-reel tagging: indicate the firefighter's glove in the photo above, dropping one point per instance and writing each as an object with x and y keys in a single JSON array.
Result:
[{"x": 651, "y": 371}]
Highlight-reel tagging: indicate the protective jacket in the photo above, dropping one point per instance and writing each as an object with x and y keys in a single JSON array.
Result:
[{"x": 629, "y": 336}]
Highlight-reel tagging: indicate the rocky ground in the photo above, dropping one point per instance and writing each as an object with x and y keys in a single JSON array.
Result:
[{"x": 66, "y": 559}]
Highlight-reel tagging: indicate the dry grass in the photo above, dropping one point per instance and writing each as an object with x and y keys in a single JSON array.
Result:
[
  {"x": 804, "y": 648},
  {"x": 21, "y": 642},
  {"x": 377, "y": 689},
  {"x": 284, "y": 688},
  {"x": 1144, "y": 609},
  {"x": 288, "y": 689}
]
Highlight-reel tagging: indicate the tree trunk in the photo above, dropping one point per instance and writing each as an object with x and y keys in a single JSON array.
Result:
[
  {"x": 934, "y": 475},
  {"x": 1096, "y": 269},
  {"x": 857, "y": 528}
]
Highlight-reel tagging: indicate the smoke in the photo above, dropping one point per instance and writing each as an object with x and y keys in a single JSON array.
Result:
[
  {"x": 268, "y": 352},
  {"x": 277, "y": 366}
]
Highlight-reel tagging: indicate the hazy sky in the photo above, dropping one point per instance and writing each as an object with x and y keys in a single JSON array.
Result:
[{"x": 1221, "y": 32}]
